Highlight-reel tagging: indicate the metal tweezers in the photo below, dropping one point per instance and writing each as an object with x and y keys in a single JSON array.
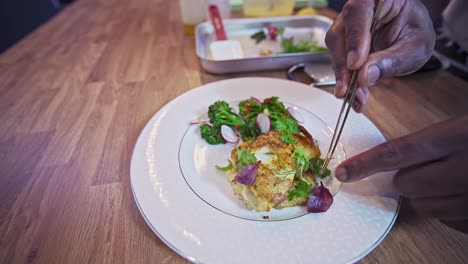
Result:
[{"x": 349, "y": 99}]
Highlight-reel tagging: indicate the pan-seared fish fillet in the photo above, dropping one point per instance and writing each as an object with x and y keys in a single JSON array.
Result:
[{"x": 275, "y": 178}]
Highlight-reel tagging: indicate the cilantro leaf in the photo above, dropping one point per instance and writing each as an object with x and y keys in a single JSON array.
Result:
[
  {"x": 244, "y": 157},
  {"x": 226, "y": 168},
  {"x": 302, "y": 162},
  {"x": 302, "y": 190},
  {"x": 287, "y": 138},
  {"x": 287, "y": 126},
  {"x": 316, "y": 167}
]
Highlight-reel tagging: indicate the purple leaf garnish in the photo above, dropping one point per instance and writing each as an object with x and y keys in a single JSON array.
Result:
[
  {"x": 247, "y": 174},
  {"x": 320, "y": 199}
]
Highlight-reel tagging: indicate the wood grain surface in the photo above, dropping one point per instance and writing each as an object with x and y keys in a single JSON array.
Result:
[{"x": 76, "y": 93}]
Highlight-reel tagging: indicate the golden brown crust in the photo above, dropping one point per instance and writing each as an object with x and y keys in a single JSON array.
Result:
[{"x": 275, "y": 178}]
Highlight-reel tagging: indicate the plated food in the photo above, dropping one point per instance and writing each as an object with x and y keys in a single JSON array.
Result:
[
  {"x": 275, "y": 162},
  {"x": 173, "y": 175}
]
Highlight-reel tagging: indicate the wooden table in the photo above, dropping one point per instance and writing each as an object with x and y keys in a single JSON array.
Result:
[{"x": 76, "y": 93}]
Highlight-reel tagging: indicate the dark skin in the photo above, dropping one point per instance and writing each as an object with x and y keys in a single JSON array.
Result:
[
  {"x": 433, "y": 162},
  {"x": 404, "y": 40}
]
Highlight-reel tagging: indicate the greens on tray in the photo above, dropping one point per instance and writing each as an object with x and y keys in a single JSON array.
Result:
[{"x": 288, "y": 45}]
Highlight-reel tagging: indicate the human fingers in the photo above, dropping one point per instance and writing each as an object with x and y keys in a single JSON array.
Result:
[
  {"x": 361, "y": 100},
  {"x": 336, "y": 45},
  {"x": 423, "y": 146},
  {"x": 357, "y": 20},
  {"x": 403, "y": 58},
  {"x": 391, "y": 155},
  {"x": 402, "y": 45}
]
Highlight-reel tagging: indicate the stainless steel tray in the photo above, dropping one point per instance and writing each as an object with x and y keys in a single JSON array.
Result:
[{"x": 245, "y": 27}]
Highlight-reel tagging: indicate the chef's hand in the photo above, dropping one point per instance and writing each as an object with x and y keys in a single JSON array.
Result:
[
  {"x": 402, "y": 44},
  {"x": 433, "y": 169}
]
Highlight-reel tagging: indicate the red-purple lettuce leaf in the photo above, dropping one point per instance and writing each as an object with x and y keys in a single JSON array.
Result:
[
  {"x": 247, "y": 174},
  {"x": 320, "y": 199}
]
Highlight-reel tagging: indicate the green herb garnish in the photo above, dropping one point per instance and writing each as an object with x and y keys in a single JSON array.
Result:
[
  {"x": 289, "y": 46},
  {"x": 220, "y": 113},
  {"x": 258, "y": 36},
  {"x": 244, "y": 157},
  {"x": 287, "y": 127},
  {"x": 302, "y": 162},
  {"x": 316, "y": 166},
  {"x": 302, "y": 190},
  {"x": 280, "y": 31},
  {"x": 226, "y": 168}
]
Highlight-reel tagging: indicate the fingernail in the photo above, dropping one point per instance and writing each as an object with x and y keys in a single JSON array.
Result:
[
  {"x": 340, "y": 174},
  {"x": 373, "y": 74},
  {"x": 351, "y": 59},
  {"x": 356, "y": 106},
  {"x": 338, "y": 86}
]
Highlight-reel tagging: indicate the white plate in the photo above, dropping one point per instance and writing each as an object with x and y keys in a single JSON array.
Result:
[{"x": 191, "y": 207}]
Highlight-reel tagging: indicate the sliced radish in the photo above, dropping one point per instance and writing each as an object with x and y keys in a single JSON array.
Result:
[
  {"x": 229, "y": 134},
  {"x": 296, "y": 114},
  {"x": 256, "y": 100},
  {"x": 263, "y": 122}
]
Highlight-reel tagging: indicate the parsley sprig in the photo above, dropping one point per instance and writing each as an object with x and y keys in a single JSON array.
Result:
[{"x": 287, "y": 126}]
